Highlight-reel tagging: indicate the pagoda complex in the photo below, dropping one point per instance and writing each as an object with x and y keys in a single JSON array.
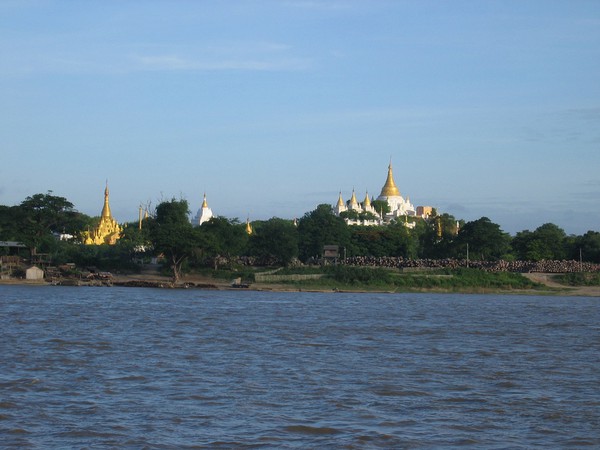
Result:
[
  {"x": 108, "y": 231},
  {"x": 399, "y": 206}
]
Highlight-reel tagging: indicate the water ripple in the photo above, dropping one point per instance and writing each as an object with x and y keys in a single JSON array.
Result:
[{"x": 160, "y": 369}]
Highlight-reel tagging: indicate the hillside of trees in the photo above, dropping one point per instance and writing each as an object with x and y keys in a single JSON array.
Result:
[{"x": 39, "y": 220}]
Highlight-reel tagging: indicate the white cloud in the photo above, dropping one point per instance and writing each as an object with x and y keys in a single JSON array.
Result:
[{"x": 176, "y": 62}]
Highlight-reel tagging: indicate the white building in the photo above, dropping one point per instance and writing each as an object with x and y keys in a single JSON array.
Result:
[
  {"x": 204, "y": 214},
  {"x": 34, "y": 273}
]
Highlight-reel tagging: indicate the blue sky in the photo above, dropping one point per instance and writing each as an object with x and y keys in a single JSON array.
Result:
[{"x": 486, "y": 108}]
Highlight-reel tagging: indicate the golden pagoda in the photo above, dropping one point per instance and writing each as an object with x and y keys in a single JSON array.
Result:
[
  {"x": 249, "y": 229},
  {"x": 390, "y": 189},
  {"x": 108, "y": 230}
]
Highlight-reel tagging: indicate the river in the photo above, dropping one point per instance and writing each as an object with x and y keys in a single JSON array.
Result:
[{"x": 85, "y": 367}]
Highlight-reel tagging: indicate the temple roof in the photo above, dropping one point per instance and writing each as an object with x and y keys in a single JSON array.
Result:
[{"x": 389, "y": 188}]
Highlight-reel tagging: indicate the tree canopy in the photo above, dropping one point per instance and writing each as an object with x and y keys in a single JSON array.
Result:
[
  {"x": 34, "y": 221},
  {"x": 485, "y": 240},
  {"x": 548, "y": 241},
  {"x": 173, "y": 234},
  {"x": 39, "y": 218},
  {"x": 275, "y": 240},
  {"x": 319, "y": 228}
]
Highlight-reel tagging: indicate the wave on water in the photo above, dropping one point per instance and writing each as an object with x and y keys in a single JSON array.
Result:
[{"x": 144, "y": 368}]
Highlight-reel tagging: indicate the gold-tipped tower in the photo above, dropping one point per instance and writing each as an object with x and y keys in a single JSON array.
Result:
[{"x": 389, "y": 188}]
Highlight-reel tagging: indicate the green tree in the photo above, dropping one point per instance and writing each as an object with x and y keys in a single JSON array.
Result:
[
  {"x": 381, "y": 206},
  {"x": 400, "y": 240},
  {"x": 135, "y": 241},
  {"x": 485, "y": 240},
  {"x": 173, "y": 235},
  {"x": 425, "y": 238},
  {"x": 319, "y": 228},
  {"x": 9, "y": 222},
  {"x": 275, "y": 239},
  {"x": 588, "y": 246},
  {"x": 548, "y": 241},
  {"x": 350, "y": 214},
  {"x": 225, "y": 238},
  {"x": 41, "y": 215},
  {"x": 441, "y": 236},
  {"x": 390, "y": 240}
]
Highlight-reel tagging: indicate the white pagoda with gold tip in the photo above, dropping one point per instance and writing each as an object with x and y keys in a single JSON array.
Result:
[
  {"x": 391, "y": 194},
  {"x": 204, "y": 214}
]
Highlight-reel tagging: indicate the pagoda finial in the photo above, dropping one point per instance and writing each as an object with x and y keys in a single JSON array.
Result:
[
  {"x": 204, "y": 202},
  {"x": 340, "y": 200},
  {"x": 106, "y": 207},
  {"x": 389, "y": 188},
  {"x": 367, "y": 202},
  {"x": 353, "y": 201}
]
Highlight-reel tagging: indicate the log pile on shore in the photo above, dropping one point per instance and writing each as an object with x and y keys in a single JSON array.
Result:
[{"x": 544, "y": 266}]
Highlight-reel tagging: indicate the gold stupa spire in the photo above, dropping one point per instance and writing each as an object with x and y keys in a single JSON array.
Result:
[
  {"x": 389, "y": 188},
  {"x": 204, "y": 202},
  {"x": 353, "y": 201},
  {"x": 367, "y": 201},
  {"x": 340, "y": 200},
  {"x": 249, "y": 226},
  {"x": 106, "y": 207},
  {"x": 108, "y": 231}
]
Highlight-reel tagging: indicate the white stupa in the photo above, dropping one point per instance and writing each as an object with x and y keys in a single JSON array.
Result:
[{"x": 204, "y": 214}]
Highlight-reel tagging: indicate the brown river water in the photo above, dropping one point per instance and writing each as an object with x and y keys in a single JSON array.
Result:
[{"x": 85, "y": 367}]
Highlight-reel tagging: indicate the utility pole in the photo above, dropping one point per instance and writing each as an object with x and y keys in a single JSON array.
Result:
[{"x": 467, "y": 254}]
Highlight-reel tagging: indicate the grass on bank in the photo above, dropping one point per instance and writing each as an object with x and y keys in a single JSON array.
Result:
[
  {"x": 579, "y": 279},
  {"x": 367, "y": 278}
]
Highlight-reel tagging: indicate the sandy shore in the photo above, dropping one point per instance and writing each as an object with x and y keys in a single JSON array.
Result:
[{"x": 151, "y": 279}]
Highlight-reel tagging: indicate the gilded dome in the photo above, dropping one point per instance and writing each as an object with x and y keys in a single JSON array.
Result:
[{"x": 389, "y": 188}]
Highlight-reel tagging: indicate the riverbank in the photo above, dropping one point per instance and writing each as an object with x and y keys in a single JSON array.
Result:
[{"x": 546, "y": 285}]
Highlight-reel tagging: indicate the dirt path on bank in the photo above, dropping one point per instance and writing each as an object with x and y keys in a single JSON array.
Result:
[{"x": 547, "y": 279}]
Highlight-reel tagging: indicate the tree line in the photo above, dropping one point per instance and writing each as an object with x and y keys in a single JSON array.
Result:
[{"x": 169, "y": 233}]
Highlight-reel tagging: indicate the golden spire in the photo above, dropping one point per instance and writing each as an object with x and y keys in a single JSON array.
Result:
[
  {"x": 390, "y": 189},
  {"x": 367, "y": 201},
  {"x": 106, "y": 207},
  {"x": 340, "y": 200},
  {"x": 353, "y": 200},
  {"x": 248, "y": 226},
  {"x": 204, "y": 202}
]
